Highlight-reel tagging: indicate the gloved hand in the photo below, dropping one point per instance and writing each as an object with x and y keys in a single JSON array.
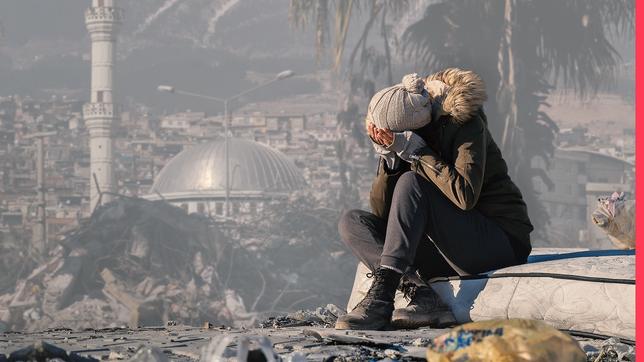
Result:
[
  {"x": 405, "y": 144},
  {"x": 391, "y": 158},
  {"x": 390, "y": 144},
  {"x": 378, "y": 138}
]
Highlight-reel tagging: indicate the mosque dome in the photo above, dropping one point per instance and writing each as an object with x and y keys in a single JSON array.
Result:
[{"x": 255, "y": 169}]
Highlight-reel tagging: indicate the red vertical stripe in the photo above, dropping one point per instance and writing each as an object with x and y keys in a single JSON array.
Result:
[{"x": 639, "y": 161}]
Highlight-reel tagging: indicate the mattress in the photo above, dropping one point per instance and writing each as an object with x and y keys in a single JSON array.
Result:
[{"x": 581, "y": 291}]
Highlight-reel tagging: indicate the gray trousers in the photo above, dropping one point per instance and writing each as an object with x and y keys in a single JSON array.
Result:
[{"x": 426, "y": 232}]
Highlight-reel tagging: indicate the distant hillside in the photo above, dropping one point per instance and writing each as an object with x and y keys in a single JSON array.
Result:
[{"x": 202, "y": 45}]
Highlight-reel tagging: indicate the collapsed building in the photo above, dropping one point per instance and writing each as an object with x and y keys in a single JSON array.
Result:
[{"x": 137, "y": 262}]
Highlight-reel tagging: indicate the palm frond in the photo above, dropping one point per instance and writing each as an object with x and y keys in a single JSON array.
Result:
[
  {"x": 304, "y": 12},
  {"x": 618, "y": 16},
  {"x": 573, "y": 40},
  {"x": 337, "y": 15},
  {"x": 427, "y": 42}
]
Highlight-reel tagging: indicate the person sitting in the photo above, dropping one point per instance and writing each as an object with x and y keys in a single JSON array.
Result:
[{"x": 442, "y": 201}]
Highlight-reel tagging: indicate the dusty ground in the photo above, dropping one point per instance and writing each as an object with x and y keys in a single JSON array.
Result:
[{"x": 186, "y": 343}]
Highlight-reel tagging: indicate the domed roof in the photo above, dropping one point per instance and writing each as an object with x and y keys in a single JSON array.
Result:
[{"x": 253, "y": 167}]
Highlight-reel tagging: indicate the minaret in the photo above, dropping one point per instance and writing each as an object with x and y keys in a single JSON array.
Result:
[{"x": 103, "y": 20}]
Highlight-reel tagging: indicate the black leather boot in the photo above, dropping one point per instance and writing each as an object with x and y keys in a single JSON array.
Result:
[
  {"x": 374, "y": 311},
  {"x": 425, "y": 309}
]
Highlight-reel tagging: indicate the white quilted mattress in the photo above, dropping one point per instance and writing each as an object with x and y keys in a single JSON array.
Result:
[{"x": 578, "y": 291}]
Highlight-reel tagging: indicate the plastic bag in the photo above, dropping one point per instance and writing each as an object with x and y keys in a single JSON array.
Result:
[{"x": 505, "y": 341}]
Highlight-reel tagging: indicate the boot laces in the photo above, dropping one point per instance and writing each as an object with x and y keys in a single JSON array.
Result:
[
  {"x": 427, "y": 297},
  {"x": 409, "y": 290},
  {"x": 377, "y": 289}
]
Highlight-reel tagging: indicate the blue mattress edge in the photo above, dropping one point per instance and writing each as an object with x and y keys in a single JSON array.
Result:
[{"x": 580, "y": 254}]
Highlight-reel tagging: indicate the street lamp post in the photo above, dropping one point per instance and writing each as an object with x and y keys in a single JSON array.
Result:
[
  {"x": 227, "y": 158},
  {"x": 42, "y": 201},
  {"x": 227, "y": 115}
]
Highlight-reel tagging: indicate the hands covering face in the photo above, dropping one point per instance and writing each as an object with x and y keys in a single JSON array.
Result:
[
  {"x": 383, "y": 137},
  {"x": 392, "y": 145}
]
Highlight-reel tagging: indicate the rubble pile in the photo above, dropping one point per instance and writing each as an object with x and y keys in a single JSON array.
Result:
[
  {"x": 132, "y": 263},
  {"x": 143, "y": 263},
  {"x": 320, "y": 317},
  {"x": 615, "y": 215},
  {"x": 298, "y": 243},
  {"x": 611, "y": 350},
  {"x": 15, "y": 259}
]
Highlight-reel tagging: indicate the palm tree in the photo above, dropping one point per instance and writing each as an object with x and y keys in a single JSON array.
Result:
[{"x": 523, "y": 48}]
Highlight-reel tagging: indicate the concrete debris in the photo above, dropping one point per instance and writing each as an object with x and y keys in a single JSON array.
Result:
[
  {"x": 95, "y": 275},
  {"x": 331, "y": 337},
  {"x": 139, "y": 263},
  {"x": 321, "y": 317},
  {"x": 217, "y": 350},
  {"x": 149, "y": 354},
  {"x": 42, "y": 351},
  {"x": 611, "y": 350},
  {"x": 16, "y": 261},
  {"x": 113, "y": 356},
  {"x": 421, "y": 342},
  {"x": 615, "y": 215}
]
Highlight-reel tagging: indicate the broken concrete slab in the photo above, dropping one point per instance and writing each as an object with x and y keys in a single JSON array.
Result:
[
  {"x": 149, "y": 354},
  {"x": 43, "y": 351},
  {"x": 58, "y": 289}
]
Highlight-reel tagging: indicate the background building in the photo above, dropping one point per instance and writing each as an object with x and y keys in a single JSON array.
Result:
[
  {"x": 579, "y": 177},
  {"x": 102, "y": 20},
  {"x": 195, "y": 178}
]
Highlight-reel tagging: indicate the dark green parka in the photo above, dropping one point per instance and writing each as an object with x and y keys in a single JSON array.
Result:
[{"x": 463, "y": 161}]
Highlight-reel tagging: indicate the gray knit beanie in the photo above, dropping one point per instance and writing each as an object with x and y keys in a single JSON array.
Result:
[{"x": 402, "y": 107}]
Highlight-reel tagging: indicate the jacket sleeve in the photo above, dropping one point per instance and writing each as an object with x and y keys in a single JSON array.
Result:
[
  {"x": 382, "y": 188},
  {"x": 461, "y": 181}
]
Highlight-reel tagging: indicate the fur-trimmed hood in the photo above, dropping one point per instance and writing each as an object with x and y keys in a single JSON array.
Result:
[{"x": 463, "y": 95}]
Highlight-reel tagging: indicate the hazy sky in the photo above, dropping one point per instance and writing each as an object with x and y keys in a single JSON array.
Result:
[
  {"x": 45, "y": 46},
  {"x": 45, "y": 19}
]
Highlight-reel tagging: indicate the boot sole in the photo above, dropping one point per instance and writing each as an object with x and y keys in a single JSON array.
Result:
[
  {"x": 345, "y": 326},
  {"x": 410, "y": 322}
]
